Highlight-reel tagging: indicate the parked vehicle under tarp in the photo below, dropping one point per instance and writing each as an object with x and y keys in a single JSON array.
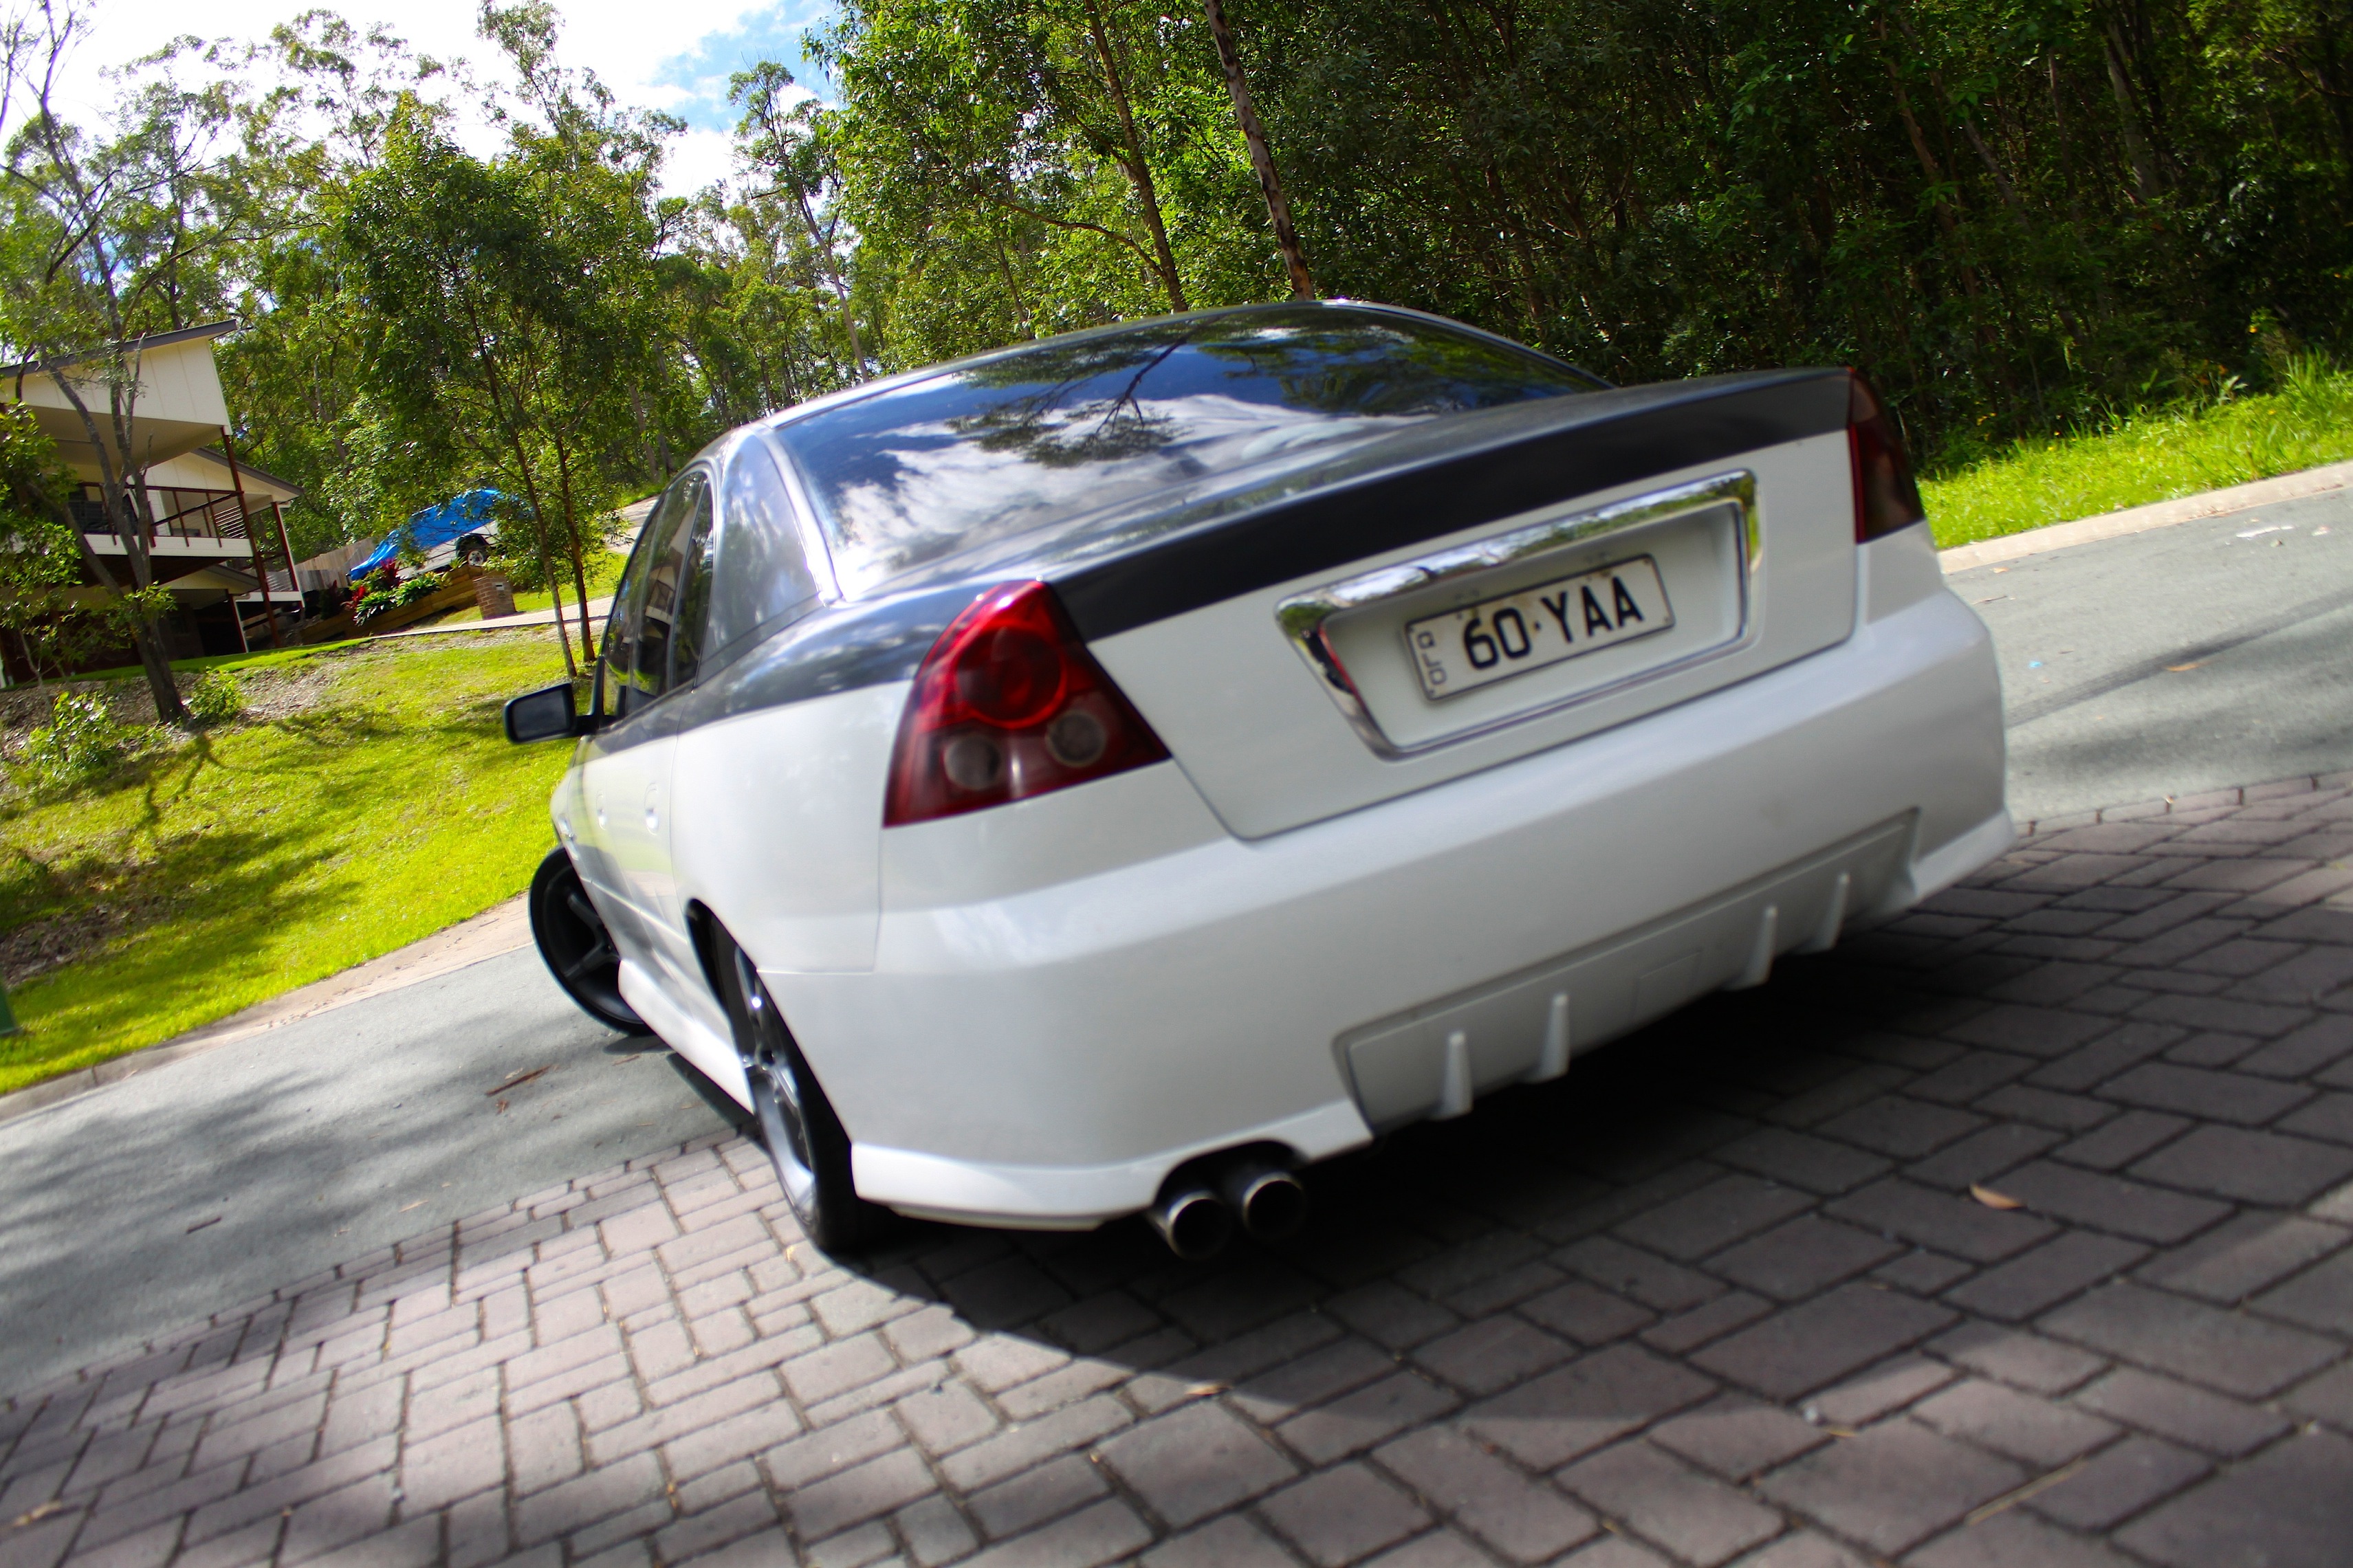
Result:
[{"x": 466, "y": 521}]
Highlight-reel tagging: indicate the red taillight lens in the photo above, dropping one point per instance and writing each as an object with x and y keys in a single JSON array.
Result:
[
  {"x": 1009, "y": 704},
  {"x": 1885, "y": 498}
]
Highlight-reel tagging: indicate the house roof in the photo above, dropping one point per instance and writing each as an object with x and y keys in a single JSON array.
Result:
[
  {"x": 150, "y": 341},
  {"x": 250, "y": 470}
]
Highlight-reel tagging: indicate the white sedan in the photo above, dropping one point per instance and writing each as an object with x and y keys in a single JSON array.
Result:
[{"x": 1109, "y": 774}]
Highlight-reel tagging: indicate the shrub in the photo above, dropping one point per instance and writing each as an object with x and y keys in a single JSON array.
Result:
[
  {"x": 215, "y": 696},
  {"x": 408, "y": 591},
  {"x": 81, "y": 740}
]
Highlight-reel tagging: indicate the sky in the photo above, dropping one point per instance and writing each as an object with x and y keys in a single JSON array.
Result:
[{"x": 675, "y": 55}]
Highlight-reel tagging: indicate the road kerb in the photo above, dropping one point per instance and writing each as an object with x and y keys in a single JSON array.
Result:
[
  {"x": 500, "y": 929},
  {"x": 2142, "y": 518}
]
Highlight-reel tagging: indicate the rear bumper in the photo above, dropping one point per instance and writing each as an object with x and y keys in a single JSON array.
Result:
[{"x": 1046, "y": 1056}]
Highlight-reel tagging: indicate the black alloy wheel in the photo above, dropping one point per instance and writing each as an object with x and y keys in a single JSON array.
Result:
[
  {"x": 805, "y": 1137},
  {"x": 576, "y": 947}
]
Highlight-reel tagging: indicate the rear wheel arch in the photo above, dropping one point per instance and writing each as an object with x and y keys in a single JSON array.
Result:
[
  {"x": 805, "y": 1140},
  {"x": 702, "y": 929}
]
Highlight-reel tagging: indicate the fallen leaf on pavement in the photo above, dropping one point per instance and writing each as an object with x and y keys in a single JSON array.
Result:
[
  {"x": 1994, "y": 1200},
  {"x": 34, "y": 1516},
  {"x": 2178, "y": 668},
  {"x": 1206, "y": 1389},
  {"x": 417, "y": 1204},
  {"x": 516, "y": 1079}
]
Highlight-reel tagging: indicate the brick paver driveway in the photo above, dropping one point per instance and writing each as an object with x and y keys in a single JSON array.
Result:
[{"x": 1722, "y": 1294}]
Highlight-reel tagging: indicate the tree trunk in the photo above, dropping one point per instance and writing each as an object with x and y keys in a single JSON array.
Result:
[
  {"x": 579, "y": 566},
  {"x": 1138, "y": 171},
  {"x": 1270, "y": 184},
  {"x": 823, "y": 242},
  {"x": 1945, "y": 223},
  {"x": 114, "y": 488},
  {"x": 2146, "y": 181},
  {"x": 539, "y": 545}
]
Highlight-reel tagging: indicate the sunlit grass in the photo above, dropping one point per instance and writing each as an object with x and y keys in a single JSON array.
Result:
[
  {"x": 2148, "y": 457},
  {"x": 603, "y": 575},
  {"x": 261, "y": 657},
  {"x": 259, "y": 856},
  {"x": 604, "y": 572}
]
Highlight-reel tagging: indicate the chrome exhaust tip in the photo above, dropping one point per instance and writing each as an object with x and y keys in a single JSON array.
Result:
[
  {"x": 1194, "y": 1222},
  {"x": 1269, "y": 1198}
]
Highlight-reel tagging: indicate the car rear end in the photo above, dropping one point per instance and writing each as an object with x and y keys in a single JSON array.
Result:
[{"x": 1497, "y": 738}]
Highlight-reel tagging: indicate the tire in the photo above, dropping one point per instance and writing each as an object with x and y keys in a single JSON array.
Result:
[
  {"x": 473, "y": 551},
  {"x": 576, "y": 946},
  {"x": 805, "y": 1137}
]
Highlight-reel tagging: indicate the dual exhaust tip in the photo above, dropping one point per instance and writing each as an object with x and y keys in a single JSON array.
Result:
[{"x": 1197, "y": 1217}]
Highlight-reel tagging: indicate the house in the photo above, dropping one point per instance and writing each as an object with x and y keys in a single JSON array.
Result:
[{"x": 218, "y": 541}]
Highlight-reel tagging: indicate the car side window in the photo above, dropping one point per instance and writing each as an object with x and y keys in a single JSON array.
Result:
[
  {"x": 761, "y": 574},
  {"x": 696, "y": 556},
  {"x": 620, "y": 648},
  {"x": 636, "y": 667}
]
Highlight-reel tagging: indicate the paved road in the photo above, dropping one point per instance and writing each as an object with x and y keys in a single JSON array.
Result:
[
  {"x": 324, "y": 1140},
  {"x": 319, "y": 1142},
  {"x": 1722, "y": 1295},
  {"x": 2091, "y": 641}
]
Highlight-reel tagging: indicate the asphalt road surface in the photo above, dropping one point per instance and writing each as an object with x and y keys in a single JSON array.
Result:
[
  {"x": 2186, "y": 659},
  {"x": 2192, "y": 658},
  {"x": 215, "y": 1179}
]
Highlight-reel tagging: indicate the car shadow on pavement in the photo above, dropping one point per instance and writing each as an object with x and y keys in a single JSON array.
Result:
[
  {"x": 2016, "y": 1231},
  {"x": 1440, "y": 1205}
]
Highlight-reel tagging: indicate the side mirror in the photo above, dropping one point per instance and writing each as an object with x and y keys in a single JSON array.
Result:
[{"x": 546, "y": 714}]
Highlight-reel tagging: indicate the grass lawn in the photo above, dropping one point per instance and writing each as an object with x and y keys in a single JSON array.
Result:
[
  {"x": 2147, "y": 458},
  {"x": 604, "y": 570},
  {"x": 262, "y": 854},
  {"x": 259, "y": 659},
  {"x": 604, "y": 576}
]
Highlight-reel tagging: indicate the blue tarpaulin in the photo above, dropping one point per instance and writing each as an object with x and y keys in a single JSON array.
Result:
[{"x": 453, "y": 519}]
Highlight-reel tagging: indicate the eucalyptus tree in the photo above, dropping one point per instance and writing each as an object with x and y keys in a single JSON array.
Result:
[
  {"x": 292, "y": 375},
  {"x": 460, "y": 291},
  {"x": 512, "y": 306},
  {"x": 1066, "y": 160},
  {"x": 111, "y": 235},
  {"x": 782, "y": 141}
]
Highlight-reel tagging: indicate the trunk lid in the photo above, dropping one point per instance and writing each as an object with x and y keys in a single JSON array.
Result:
[{"x": 1478, "y": 590}]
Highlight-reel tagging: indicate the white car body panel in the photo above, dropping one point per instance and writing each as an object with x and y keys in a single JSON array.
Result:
[
  {"x": 787, "y": 805},
  {"x": 1044, "y": 1051},
  {"x": 1287, "y": 755},
  {"x": 1339, "y": 906}
]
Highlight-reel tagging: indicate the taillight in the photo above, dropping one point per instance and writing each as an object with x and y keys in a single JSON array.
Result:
[
  {"x": 1885, "y": 498},
  {"x": 1009, "y": 704}
]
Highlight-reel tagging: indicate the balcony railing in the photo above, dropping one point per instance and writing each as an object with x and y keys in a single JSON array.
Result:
[{"x": 179, "y": 514}]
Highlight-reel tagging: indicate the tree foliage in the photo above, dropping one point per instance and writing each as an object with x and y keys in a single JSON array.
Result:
[
  {"x": 2018, "y": 215},
  {"x": 2015, "y": 212}
]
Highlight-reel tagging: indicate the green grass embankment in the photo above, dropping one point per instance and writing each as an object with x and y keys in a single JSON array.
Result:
[
  {"x": 221, "y": 870},
  {"x": 2148, "y": 456}
]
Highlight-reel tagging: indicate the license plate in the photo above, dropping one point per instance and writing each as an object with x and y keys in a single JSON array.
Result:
[{"x": 1479, "y": 644}]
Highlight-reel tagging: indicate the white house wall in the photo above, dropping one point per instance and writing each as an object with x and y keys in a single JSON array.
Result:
[{"x": 176, "y": 381}]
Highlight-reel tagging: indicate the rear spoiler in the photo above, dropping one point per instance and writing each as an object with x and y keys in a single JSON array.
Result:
[{"x": 1436, "y": 480}]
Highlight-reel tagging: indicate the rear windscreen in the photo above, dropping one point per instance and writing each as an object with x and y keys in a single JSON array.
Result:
[{"x": 1067, "y": 429}]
